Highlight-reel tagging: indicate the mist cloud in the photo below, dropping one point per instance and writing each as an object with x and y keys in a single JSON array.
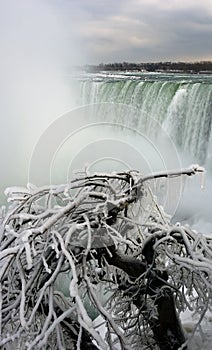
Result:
[{"x": 38, "y": 48}]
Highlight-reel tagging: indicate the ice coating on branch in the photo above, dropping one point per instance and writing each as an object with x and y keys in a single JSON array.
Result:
[
  {"x": 25, "y": 238},
  {"x": 12, "y": 190},
  {"x": 73, "y": 289},
  {"x": 102, "y": 230}
]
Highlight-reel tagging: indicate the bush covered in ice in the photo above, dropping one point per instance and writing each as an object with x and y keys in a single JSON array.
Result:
[{"x": 99, "y": 245}]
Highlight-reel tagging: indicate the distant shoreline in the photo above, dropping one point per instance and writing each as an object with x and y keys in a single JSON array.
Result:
[{"x": 202, "y": 67}]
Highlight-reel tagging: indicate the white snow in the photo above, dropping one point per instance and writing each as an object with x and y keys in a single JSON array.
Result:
[{"x": 201, "y": 340}]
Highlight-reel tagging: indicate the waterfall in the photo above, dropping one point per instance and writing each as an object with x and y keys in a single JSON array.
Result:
[{"x": 183, "y": 108}]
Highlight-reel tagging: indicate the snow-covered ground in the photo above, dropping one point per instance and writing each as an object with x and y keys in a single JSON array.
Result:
[{"x": 200, "y": 340}]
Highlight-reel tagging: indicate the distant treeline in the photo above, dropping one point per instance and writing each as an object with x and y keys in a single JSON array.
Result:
[{"x": 185, "y": 67}]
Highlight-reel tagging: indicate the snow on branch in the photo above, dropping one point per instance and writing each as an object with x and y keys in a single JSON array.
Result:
[{"x": 103, "y": 231}]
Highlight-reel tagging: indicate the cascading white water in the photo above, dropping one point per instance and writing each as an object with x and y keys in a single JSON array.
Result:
[{"x": 183, "y": 108}]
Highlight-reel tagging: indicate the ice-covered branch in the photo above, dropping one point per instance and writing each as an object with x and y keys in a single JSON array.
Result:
[{"x": 99, "y": 232}]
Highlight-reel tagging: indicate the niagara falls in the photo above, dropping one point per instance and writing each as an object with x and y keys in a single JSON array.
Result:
[{"x": 106, "y": 175}]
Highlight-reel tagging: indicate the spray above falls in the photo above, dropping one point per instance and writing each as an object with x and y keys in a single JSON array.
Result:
[{"x": 37, "y": 40}]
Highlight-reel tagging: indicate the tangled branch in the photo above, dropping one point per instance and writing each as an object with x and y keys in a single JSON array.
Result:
[{"x": 99, "y": 230}]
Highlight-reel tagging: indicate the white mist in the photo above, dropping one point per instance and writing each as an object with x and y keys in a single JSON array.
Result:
[{"x": 38, "y": 49}]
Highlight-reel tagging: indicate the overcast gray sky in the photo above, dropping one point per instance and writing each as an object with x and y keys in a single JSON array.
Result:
[
  {"x": 146, "y": 30},
  {"x": 94, "y": 31}
]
